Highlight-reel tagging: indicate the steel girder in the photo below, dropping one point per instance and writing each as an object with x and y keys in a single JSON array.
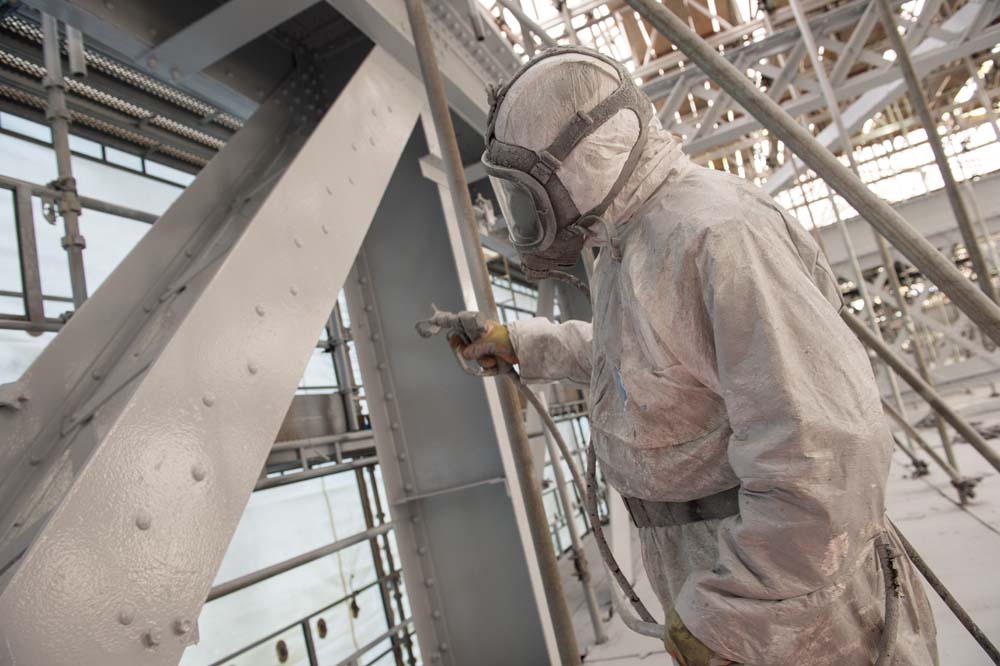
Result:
[
  {"x": 133, "y": 442},
  {"x": 470, "y": 575},
  {"x": 467, "y": 65}
]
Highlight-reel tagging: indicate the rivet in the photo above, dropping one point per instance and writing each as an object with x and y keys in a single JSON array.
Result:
[
  {"x": 369, "y": 308},
  {"x": 96, "y": 374},
  {"x": 443, "y": 647},
  {"x": 415, "y": 519},
  {"x": 152, "y": 62},
  {"x": 329, "y": 191},
  {"x": 350, "y": 179},
  {"x": 380, "y": 366},
  {"x": 260, "y": 310},
  {"x": 298, "y": 242},
  {"x": 401, "y": 456},
  {"x": 429, "y": 582},
  {"x": 293, "y": 290},
  {"x": 375, "y": 337},
  {"x": 390, "y": 396},
  {"x": 394, "y": 426},
  {"x": 198, "y": 472},
  {"x": 147, "y": 308},
  {"x": 354, "y": 146},
  {"x": 436, "y": 614},
  {"x": 422, "y": 550},
  {"x": 182, "y": 627},
  {"x": 371, "y": 140},
  {"x": 408, "y": 487},
  {"x": 135, "y": 354},
  {"x": 188, "y": 253},
  {"x": 175, "y": 73},
  {"x": 389, "y": 109},
  {"x": 126, "y": 615},
  {"x": 252, "y": 367},
  {"x": 151, "y": 638},
  {"x": 208, "y": 399},
  {"x": 325, "y": 228},
  {"x": 143, "y": 520},
  {"x": 363, "y": 280}
]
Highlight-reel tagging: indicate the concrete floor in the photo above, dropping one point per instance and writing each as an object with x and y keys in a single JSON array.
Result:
[{"x": 961, "y": 544}]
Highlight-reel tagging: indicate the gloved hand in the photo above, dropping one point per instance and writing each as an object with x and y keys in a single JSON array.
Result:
[
  {"x": 493, "y": 344},
  {"x": 685, "y": 647}
]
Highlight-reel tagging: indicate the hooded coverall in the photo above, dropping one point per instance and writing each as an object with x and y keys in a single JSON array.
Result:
[{"x": 717, "y": 359}]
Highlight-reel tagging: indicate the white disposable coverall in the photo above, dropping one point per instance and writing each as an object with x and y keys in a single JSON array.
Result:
[{"x": 717, "y": 358}]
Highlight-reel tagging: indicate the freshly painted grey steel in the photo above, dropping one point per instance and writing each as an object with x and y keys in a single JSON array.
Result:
[
  {"x": 440, "y": 459},
  {"x": 520, "y": 447},
  {"x": 148, "y": 419},
  {"x": 880, "y": 214},
  {"x": 466, "y": 64},
  {"x": 217, "y": 34}
]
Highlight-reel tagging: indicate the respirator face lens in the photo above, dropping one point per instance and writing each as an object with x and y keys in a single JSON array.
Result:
[{"x": 520, "y": 210}]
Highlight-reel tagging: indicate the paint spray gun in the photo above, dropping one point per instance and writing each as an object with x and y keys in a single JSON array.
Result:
[{"x": 467, "y": 327}]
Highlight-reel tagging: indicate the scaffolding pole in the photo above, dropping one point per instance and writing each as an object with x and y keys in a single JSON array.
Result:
[
  {"x": 919, "y": 101},
  {"x": 58, "y": 116},
  {"x": 881, "y": 215}
]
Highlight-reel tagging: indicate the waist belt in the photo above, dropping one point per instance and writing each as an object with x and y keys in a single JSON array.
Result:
[{"x": 669, "y": 514}]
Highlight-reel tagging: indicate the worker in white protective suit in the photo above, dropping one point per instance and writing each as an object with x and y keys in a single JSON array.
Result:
[{"x": 730, "y": 405}]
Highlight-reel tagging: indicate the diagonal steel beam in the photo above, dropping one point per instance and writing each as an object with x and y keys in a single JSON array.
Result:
[
  {"x": 219, "y": 33},
  {"x": 197, "y": 352}
]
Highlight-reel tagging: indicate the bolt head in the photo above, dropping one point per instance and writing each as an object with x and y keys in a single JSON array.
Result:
[
  {"x": 152, "y": 637},
  {"x": 143, "y": 520},
  {"x": 208, "y": 399},
  {"x": 198, "y": 472},
  {"x": 126, "y": 615},
  {"x": 182, "y": 626}
]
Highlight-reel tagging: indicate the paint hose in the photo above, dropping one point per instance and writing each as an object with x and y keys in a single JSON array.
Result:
[{"x": 645, "y": 624}]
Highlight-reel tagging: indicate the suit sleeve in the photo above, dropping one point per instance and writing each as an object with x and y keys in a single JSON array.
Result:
[{"x": 547, "y": 351}]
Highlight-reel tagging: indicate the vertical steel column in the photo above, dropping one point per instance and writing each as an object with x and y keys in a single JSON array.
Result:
[
  {"x": 58, "y": 116},
  {"x": 337, "y": 336},
  {"x": 919, "y": 102},
  {"x": 881, "y": 215},
  {"x": 520, "y": 448}
]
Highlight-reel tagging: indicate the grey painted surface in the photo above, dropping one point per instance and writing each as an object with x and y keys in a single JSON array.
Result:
[
  {"x": 474, "y": 558},
  {"x": 187, "y": 393}
]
